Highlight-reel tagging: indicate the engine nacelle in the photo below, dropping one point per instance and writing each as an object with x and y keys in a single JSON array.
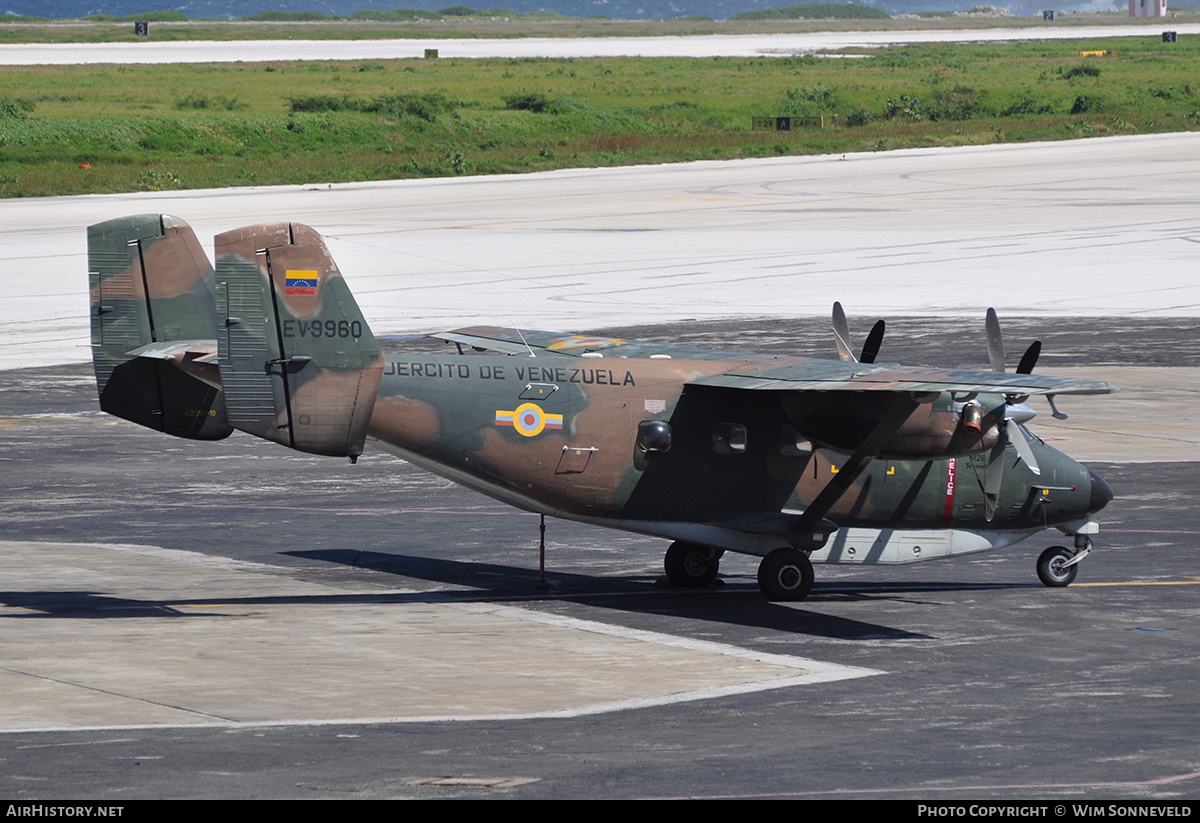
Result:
[{"x": 943, "y": 428}]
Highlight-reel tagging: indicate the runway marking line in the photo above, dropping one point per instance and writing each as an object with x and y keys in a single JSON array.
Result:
[
  {"x": 1142, "y": 583},
  {"x": 818, "y": 672},
  {"x": 1099, "y": 784}
]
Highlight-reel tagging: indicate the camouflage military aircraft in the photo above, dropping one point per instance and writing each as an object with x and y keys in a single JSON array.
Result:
[{"x": 792, "y": 459}]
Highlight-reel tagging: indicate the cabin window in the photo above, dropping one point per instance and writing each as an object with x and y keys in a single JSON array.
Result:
[
  {"x": 793, "y": 443},
  {"x": 654, "y": 436},
  {"x": 729, "y": 438}
]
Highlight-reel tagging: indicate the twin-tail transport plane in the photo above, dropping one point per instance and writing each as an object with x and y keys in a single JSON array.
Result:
[{"x": 794, "y": 460}]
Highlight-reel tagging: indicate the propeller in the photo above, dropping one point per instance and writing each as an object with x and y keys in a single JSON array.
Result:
[
  {"x": 841, "y": 335},
  {"x": 995, "y": 342},
  {"x": 1015, "y": 411}
]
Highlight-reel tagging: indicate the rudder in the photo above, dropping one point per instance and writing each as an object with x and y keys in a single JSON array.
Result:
[
  {"x": 298, "y": 362},
  {"x": 151, "y": 304}
]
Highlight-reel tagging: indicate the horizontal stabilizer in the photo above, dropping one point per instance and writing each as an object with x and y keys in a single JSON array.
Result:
[{"x": 195, "y": 357}]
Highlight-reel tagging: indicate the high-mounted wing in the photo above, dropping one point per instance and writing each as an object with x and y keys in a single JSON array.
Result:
[
  {"x": 527, "y": 342},
  {"x": 838, "y": 376},
  {"x": 765, "y": 372}
]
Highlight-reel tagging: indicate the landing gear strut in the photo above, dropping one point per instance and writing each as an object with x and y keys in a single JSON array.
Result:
[
  {"x": 1058, "y": 565},
  {"x": 691, "y": 566},
  {"x": 785, "y": 575}
]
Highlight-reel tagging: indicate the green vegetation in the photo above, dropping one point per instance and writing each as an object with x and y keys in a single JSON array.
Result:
[
  {"x": 396, "y": 15},
  {"x": 14, "y": 108},
  {"x": 98, "y": 128},
  {"x": 275, "y": 16},
  {"x": 149, "y": 17},
  {"x": 290, "y": 17},
  {"x": 422, "y": 106},
  {"x": 816, "y": 11}
]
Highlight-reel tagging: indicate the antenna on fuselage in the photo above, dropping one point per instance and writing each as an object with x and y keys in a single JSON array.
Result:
[{"x": 523, "y": 340}]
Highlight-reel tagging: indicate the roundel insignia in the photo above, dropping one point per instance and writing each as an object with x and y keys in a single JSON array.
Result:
[
  {"x": 529, "y": 420},
  {"x": 576, "y": 341}
]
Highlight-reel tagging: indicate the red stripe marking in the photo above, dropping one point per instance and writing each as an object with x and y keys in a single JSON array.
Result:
[{"x": 948, "y": 512}]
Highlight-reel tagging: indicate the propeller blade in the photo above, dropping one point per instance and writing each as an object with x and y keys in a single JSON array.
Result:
[
  {"x": 995, "y": 475},
  {"x": 1016, "y": 436},
  {"x": 1029, "y": 358},
  {"x": 841, "y": 333},
  {"x": 995, "y": 342},
  {"x": 874, "y": 340}
]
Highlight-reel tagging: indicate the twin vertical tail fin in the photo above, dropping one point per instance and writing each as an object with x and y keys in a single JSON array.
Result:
[
  {"x": 153, "y": 311},
  {"x": 271, "y": 342},
  {"x": 299, "y": 365}
]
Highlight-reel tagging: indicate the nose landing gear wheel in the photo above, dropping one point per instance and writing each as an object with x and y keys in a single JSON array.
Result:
[
  {"x": 1052, "y": 569},
  {"x": 785, "y": 576},
  {"x": 691, "y": 566}
]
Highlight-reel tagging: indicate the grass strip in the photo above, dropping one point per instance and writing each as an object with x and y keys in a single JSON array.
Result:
[{"x": 84, "y": 129}]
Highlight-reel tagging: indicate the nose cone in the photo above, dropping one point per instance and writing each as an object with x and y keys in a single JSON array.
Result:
[{"x": 1102, "y": 493}]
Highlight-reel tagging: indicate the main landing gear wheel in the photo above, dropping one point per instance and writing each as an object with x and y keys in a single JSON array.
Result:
[
  {"x": 785, "y": 575},
  {"x": 1052, "y": 569},
  {"x": 691, "y": 566}
]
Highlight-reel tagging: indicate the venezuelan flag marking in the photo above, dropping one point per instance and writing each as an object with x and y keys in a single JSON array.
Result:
[{"x": 300, "y": 282}]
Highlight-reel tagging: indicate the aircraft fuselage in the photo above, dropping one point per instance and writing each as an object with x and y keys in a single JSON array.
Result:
[{"x": 560, "y": 435}]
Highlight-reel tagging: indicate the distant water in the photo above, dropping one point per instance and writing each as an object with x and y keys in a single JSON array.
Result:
[{"x": 625, "y": 9}]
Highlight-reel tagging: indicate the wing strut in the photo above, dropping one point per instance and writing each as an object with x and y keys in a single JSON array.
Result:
[{"x": 903, "y": 405}]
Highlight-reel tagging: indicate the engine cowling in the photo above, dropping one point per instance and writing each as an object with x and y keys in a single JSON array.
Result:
[{"x": 940, "y": 429}]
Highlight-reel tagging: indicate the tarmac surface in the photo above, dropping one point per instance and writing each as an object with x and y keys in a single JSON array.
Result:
[
  {"x": 1104, "y": 227},
  {"x": 183, "y": 619},
  {"x": 236, "y": 620}
]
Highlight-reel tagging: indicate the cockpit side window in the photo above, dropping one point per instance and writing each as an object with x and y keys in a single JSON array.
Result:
[{"x": 729, "y": 438}]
